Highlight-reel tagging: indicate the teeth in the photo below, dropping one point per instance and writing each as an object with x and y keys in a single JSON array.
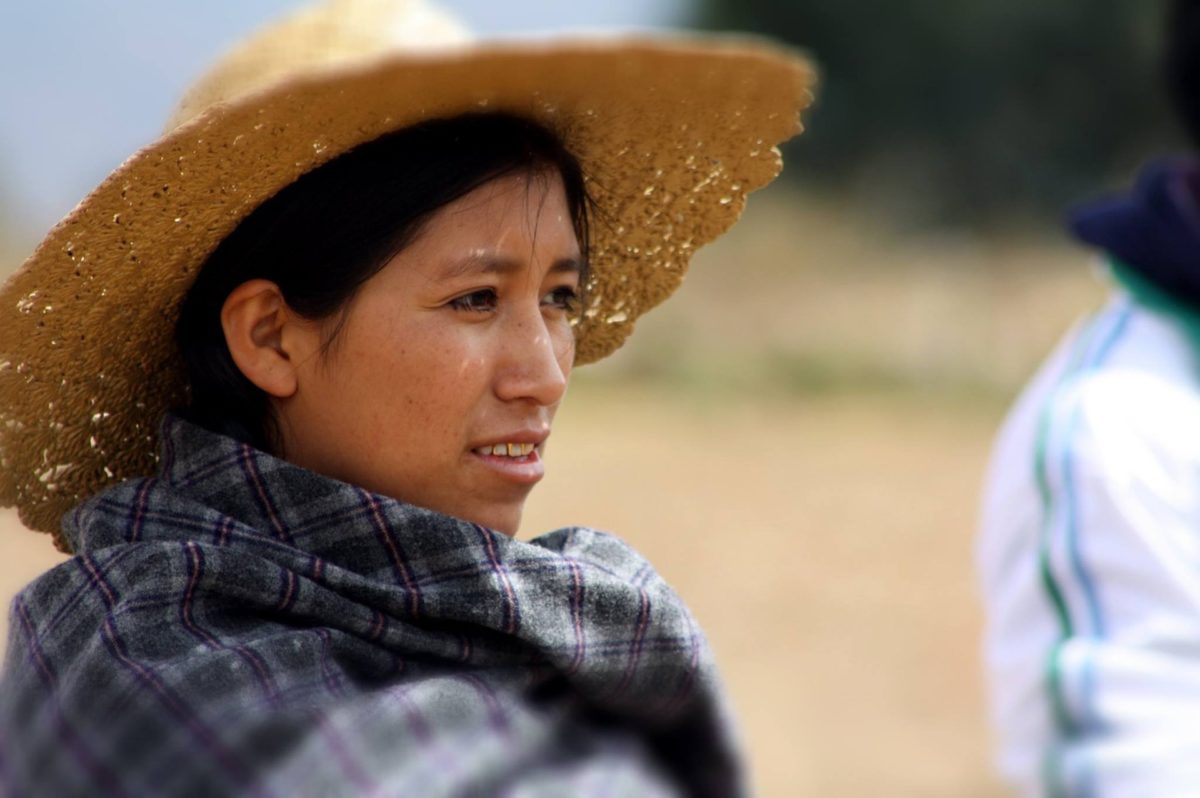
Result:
[{"x": 508, "y": 449}]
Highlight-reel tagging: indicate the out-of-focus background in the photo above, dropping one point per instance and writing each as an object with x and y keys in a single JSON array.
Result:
[{"x": 798, "y": 437}]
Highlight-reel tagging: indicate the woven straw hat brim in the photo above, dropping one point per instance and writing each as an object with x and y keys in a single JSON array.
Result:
[{"x": 672, "y": 136}]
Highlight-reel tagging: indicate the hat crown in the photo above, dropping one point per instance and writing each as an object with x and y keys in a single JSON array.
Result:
[{"x": 331, "y": 34}]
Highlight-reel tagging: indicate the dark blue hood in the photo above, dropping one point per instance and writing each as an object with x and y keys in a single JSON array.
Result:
[{"x": 1155, "y": 230}]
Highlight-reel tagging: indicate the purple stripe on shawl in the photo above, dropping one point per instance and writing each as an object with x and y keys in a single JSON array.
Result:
[
  {"x": 206, "y": 470},
  {"x": 175, "y": 520},
  {"x": 167, "y": 463},
  {"x": 522, "y": 565},
  {"x": 250, "y": 467},
  {"x": 577, "y": 599},
  {"x": 288, "y": 590},
  {"x": 331, "y": 676},
  {"x": 511, "y": 618},
  {"x": 497, "y": 718},
  {"x": 412, "y": 713},
  {"x": 71, "y": 602},
  {"x": 620, "y": 647},
  {"x": 469, "y": 571},
  {"x": 363, "y": 784},
  {"x": 635, "y": 645},
  {"x": 148, "y": 678},
  {"x": 96, "y": 579},
  {"x": 224, "y": 528},
  {"x": 104, "y": 777},
  {"x": 399, "y": 564},
  {"x": 378, "y": 626},
  {"x": 195, "y": 566},
  {"x": 443, "y": 755},
  {"x": 195, "y": 561},
  {"x": 335, "y": 518},
  {"x": 76, "y": 517},
  {"x": 156, "y": 601},
  {"x": 35, "y": 649},
  {"x": 138, "y": 516},
  {"x": 179, "y": 522},
  {"x": 642, "y": 575},
  {"x": 443, "y": 759}
]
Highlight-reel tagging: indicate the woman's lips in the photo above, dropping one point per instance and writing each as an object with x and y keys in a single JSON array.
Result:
[
  {"x": 526, "y": 468},
  {"x": 506, "y": 449}
]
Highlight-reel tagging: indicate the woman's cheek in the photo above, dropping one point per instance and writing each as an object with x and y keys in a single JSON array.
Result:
[{"x": 564, "y": 348}]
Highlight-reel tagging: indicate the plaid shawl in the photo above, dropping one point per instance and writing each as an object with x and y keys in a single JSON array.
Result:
[{"x": 239, "y": 625}]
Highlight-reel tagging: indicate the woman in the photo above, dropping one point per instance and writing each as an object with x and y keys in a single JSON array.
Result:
[{"x": 361, "y": 269}]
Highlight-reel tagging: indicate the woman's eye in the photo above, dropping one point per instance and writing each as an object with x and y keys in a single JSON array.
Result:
[
  {"x": 478, "y": 301},
  {"x": 566, "y": 298}
]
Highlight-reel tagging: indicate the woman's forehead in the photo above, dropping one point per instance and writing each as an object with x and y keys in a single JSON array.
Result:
[{"x": 499, "y": 228}]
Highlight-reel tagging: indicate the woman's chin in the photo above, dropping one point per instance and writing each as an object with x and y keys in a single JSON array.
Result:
[
  {"x": 506, "y": 522},
  {"x": 504, "y": 518}
]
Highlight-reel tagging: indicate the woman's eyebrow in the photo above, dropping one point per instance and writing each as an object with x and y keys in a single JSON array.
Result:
[
  {"x": 573, "y": 264},
  {"x": 488, "y": 263}
]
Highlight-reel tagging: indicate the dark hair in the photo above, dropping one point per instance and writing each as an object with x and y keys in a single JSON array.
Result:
[
  {"x": 1182, "y": 63},
  {"x": 323, "y": 236}
]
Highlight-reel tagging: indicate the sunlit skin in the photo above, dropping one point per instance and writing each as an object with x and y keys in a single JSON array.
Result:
[{"x": 463, "y": 340}]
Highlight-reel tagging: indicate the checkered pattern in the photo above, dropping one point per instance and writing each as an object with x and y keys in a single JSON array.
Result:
[{"x": 239, "y": 625}]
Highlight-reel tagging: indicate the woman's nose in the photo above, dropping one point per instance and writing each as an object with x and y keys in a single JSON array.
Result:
[{"x": 536, "y": 360}]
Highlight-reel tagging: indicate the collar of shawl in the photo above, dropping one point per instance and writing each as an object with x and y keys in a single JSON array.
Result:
[{"x": 574, "y": 603}]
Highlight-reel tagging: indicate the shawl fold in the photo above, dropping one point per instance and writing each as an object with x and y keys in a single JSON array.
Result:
[{"x": 238, "y": 625}]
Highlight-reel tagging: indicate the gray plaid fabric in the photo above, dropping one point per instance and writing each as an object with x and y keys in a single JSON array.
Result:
[{"x": 241, "y": 626}]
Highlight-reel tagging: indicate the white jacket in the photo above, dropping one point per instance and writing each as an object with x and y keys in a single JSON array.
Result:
[{"x": 1089, "y": 559}]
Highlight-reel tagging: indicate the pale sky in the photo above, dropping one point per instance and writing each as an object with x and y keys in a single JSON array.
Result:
[{"x": 84, "y": 83}]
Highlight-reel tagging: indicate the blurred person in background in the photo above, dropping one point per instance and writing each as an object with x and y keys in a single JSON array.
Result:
[
  {"x": 1090, "y": 545},
  {"x": 347, "y": 288}
]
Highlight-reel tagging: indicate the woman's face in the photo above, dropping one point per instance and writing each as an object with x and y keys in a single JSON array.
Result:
[{"x": 441, "y": 384}]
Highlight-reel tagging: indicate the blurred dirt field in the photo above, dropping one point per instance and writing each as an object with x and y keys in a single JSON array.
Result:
[{"x": 797, "y": 442}]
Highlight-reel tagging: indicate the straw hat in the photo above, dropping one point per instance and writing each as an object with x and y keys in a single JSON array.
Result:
[{"x": 671, "y": 133}]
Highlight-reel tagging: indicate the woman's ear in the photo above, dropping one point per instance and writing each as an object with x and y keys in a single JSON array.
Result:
[{"x": 264, "y": 336}]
